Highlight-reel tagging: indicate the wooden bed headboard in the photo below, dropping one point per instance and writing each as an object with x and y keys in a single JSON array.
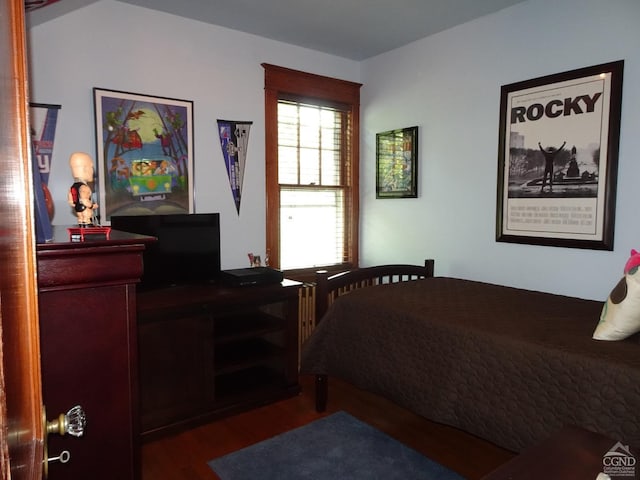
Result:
[{"x": 329, "y": 287}]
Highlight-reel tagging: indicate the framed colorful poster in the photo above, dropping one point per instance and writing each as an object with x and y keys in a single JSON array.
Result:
[
  {"x": 558, "y": 158},
  {"x": 397, "y": 163},
  {"x": 144, "y": 154}
]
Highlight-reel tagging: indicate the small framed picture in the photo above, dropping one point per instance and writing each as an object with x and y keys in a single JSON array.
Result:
[{"x": 397, "y": 163}]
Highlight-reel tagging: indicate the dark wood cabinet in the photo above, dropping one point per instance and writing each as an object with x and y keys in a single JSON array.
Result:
[
  {"x": 209, "y": 351},
  {"x": 88, "y": 338},
  {"x": 176, "y": 365}
]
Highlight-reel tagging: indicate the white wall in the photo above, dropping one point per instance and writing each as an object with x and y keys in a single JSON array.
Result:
[
  {"x": 449, "y": 85},
  {"x": 117, "y": 46}
]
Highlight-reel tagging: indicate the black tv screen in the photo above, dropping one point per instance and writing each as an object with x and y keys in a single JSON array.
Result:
[{"x": 187, "y": 250}]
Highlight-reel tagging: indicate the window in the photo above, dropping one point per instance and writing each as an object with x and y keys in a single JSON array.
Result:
[{"x": 312, "y": 170}]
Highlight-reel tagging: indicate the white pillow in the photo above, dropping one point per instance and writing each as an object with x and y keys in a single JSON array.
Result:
[{"x": 620, "y": 317}]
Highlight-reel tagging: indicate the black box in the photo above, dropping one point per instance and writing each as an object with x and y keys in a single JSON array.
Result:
[{"x": 241, "y": 277}]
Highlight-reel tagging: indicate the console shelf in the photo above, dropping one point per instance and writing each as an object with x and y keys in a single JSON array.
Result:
[
  {"x": 246, "y": 326},
  {"x": 210, "y": 351},
  {"x": 238, "y": 356}
]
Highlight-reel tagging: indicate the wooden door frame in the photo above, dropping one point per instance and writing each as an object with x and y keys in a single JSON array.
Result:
[{"x": 21, "y": 425}]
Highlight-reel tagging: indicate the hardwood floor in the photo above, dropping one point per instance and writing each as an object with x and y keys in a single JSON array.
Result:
[{"x": 184, "y": 456}]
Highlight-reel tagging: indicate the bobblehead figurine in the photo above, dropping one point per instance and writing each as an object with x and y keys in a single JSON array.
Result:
[{"x": 79, "y": 196}]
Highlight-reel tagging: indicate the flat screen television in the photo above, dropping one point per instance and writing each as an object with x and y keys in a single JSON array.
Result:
[{"x": 187, "y": 250}]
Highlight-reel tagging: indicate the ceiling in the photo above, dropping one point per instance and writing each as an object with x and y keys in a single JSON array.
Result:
[{"x": 353, "y": 29}]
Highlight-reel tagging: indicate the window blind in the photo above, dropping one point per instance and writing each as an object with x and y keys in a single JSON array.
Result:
[{"x": 313, "y": 163}]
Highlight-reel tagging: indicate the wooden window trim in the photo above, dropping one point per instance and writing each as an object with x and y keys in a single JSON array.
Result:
[{"x": 281, "y": 81}]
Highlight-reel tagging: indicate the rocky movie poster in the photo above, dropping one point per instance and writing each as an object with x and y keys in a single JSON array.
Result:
[{"x": 555, "y": 158}]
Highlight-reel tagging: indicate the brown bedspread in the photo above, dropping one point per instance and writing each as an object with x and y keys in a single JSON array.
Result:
[{"x": 508, "y": 365}]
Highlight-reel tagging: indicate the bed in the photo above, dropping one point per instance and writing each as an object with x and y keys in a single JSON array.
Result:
[{"x": 508, "y": 365}]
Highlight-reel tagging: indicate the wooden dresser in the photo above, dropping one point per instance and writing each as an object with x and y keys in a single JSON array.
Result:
[{"x": 88, "y": 336}]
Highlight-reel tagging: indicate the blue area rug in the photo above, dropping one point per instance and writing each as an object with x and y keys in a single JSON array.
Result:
[{"x": 335, "y": 447}]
